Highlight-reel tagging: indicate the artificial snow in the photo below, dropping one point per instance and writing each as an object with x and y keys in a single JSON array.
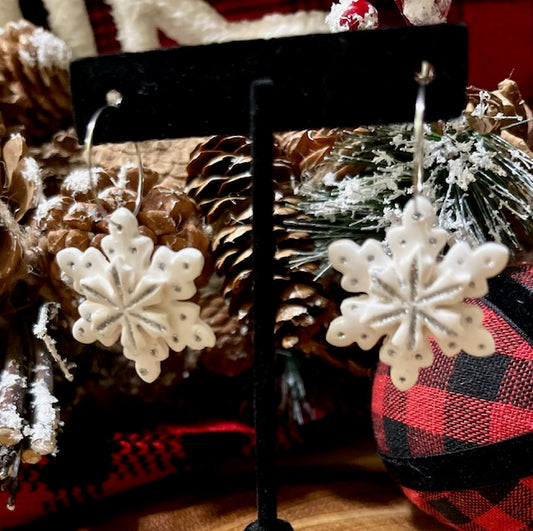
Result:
[{"x": 46, "y": 51}]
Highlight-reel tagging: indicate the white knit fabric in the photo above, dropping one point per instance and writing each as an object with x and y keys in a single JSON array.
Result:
[
  {"x": 188, "y": 22},
  {"x": 70, "y": 22},
  {"x": 193, "y": 22}
]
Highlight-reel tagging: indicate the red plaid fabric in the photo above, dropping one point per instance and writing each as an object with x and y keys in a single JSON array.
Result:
[
  {"x": 502, "y": 506},
  {"x": 127, "y": 461},
  {"x": 462, "y": 404}
]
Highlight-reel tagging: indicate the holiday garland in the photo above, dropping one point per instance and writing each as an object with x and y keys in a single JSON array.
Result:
[{"x": 480, "y": 183}]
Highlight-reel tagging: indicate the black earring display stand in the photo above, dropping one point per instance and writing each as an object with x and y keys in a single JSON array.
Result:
[{"x": 259, "y": 87}]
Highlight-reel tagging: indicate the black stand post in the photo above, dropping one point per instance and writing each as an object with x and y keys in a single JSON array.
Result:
[
  {"x": 205, "y": 90},
  {"x": 261, "y": 108}
]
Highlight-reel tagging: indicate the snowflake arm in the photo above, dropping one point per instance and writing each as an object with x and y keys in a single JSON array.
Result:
[
  {"x": 135, "y": 297},
  {"x": 353, "y": 262},
  {"x": 413, "y": 294}
]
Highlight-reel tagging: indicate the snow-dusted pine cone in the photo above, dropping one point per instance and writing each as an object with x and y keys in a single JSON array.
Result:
[
  {"x": 76, "y": 217},
  {"x": 219, "y": 179},
  {"x": 503, "y": 112},
  {"x": 34, "y": 81},
  {"x": 21, "y": 189}
]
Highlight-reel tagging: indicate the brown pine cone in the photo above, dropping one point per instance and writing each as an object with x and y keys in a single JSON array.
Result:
[
  {"x": 35, "y": 92},
  {"x": 77, "y": 218},
  {"x": 57, "y": 158},
  {"x": 2, "y": 127},
  {"x": 308, "y": 149},
  {"x": 20, "y": 177},
  {"x": 233, "y": 351},
  {"x": 21, "y": 189},
  {"x": 219, "y": 179},
  {"x": 503, "y": 112},
  {"x": 12, "y": 252}
]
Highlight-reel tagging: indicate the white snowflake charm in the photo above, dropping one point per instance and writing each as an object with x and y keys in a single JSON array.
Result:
[
  {"x": 135, "y": 297},
  {"x": 410, "y": 293}
]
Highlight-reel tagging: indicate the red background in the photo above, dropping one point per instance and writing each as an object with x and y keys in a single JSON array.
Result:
[{"x": 500, "y": 32}]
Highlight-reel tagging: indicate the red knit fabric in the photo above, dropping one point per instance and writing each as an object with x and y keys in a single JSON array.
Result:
[{"x": 135, "y": 459}]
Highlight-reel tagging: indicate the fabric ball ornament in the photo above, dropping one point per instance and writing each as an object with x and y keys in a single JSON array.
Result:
[
  {"x": 460, "y": 441},
  {"x": 351, "y": 15}
]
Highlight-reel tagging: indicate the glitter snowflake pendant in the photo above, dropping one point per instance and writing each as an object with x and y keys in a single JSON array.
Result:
[
  {"x": 135, "y": 297},
  {"x": 413, "y": 294}
]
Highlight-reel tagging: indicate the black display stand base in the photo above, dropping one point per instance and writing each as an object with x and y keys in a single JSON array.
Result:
[{"x": 276, "y": 525}]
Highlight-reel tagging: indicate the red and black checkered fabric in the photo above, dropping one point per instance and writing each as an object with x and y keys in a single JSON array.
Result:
[
  {"x": 125, "y": 461},
  {"x": 466, "y": 416},
  {"x": 501, "y": 507}
]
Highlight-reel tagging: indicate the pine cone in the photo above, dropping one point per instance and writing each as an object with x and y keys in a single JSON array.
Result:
[
  {"x": 233, "y": 351},
  {"x": 219, "y": 179},
  {"x": 77, "y": 218},
  {"x": 35, "y": 92},
  {"x": 57, "y": 158},
  {"x": 308, "y": 151},
  {"x": 12, "y": 253},
  {"x": 21, "y": 189},
  {"x": 2, "y": 127},
  {"x": 502, "y": 111},
  {"x": 21, "y": 179}
]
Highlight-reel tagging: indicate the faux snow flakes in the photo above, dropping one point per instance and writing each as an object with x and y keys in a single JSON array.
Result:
[
  {"x": 136, "y": 298},
  {"x": 414, "y": 293}
]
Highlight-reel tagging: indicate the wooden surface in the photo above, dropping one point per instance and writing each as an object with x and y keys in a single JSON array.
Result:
[{"x": 336, "y": 490}]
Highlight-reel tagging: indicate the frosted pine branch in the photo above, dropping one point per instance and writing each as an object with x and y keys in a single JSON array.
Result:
[
  {"x": 44, "y": 411},
  {"x": 47, "y": 313},
  {"x": 480, "y": 184},
  {"x": 13, "y": 385}
]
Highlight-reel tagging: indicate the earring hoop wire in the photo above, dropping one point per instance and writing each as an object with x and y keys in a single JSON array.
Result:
[
  {"x": 114, "y": 100},
  {"x": 423, "y": 78}
]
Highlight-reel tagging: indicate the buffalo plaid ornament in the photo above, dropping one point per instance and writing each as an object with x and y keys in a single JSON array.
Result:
[{"x": 460, "y": 440}]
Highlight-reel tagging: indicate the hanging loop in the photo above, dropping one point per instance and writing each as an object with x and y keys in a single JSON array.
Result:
[
  {"x": 113, "y": 100},
  {"x": 423, "y": 78}
]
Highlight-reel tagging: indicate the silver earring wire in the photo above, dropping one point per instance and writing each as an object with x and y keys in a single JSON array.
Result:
[
  {"x": 113, "y": 99},
  {"x": 423, "y": 78}
]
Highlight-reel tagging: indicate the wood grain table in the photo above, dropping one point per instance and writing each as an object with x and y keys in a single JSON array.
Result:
[{"x": 338, "y": 489}]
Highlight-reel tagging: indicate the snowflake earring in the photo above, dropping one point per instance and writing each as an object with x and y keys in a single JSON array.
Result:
[
  {"x": 408, "y": 292},
  {"x": 132, "y": 295}
]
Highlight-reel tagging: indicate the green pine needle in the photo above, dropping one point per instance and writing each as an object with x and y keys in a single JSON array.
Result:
[{"x": 480, "y": 184}]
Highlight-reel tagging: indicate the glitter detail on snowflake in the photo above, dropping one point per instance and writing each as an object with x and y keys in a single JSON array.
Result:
[
  {"x": 135, "y": 297},
  {"x": 412, "y": 294}
]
